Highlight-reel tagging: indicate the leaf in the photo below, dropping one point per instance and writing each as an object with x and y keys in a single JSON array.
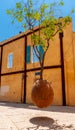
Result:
[
  {"x": 67, "y": 19},
  {"x": 73, "y": 11},
  {"x": 61, "y": 3},
  {"x": 53, "y": 4},
  {"x": 8, "y": 12},
  {"x": 43, "y": 8},
  {"x": 37, "y": 16},
  {"x": 18, "y": 5},
  {"x": 20, "y": 19}
]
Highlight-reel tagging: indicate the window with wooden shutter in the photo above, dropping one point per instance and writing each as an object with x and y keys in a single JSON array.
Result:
[{"x": 34, "y": 56}]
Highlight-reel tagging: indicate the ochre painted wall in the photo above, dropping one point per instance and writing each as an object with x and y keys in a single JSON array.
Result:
[
  {"x": 53, "y": 58},
  {"x": 12, "y": 86},
  {"x": 11, "y": 89},
  {"x": 69, "y": 59},
  {"x": 17, "y": 49},
  {"x": 54, "y": 77}
]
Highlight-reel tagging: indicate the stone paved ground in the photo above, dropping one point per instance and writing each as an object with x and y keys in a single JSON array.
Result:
[{"x": 15, "y": 116}]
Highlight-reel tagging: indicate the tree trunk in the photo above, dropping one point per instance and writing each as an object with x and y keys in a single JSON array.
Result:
[
  {"x": 42, "y": 62},
  {"x": 41, "y": 71}
]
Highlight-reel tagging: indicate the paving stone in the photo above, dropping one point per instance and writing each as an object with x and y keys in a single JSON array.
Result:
[{"x": 16, "y": 116}]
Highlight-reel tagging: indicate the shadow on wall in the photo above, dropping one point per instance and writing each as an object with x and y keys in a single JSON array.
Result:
[{"x": 46, "y": 123}]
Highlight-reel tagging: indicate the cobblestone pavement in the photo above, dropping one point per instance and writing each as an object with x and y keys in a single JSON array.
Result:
[{"x": 15, "y": 116}]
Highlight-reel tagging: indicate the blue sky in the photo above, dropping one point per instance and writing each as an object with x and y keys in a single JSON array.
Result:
[{"x": 8, "y": 30}]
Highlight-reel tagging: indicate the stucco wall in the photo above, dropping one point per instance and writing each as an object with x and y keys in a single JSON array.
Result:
[
  {"x": 17, "y": 49},
  {"x": 53, "y": 58},
  {"x": 54, "y": 77},
  {"x": 69, "y": 57},
  {"x": 12, "y": 85},
  {"x": 53, "y": 54},
  {"x": 11, "y": 88}
]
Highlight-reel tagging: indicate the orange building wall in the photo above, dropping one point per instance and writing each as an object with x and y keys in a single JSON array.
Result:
[
  {"x": 12, "y": 86},
  {"x": 17, "y": 49},
  {"x": 54, "y": 77},
  {"x": 69, "y": 59},
  {"x": 53, "y": 58}
]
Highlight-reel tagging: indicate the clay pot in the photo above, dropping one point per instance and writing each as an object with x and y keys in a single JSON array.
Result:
[{"x": 42, "y": 93}]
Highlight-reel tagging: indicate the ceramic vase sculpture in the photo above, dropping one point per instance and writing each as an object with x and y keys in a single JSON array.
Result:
[{"x": 42, "y": 93}]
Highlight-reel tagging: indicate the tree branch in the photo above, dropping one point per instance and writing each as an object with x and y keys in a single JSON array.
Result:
[{"x": 37, "y": 53}]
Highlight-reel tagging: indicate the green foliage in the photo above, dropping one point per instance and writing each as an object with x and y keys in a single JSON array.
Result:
[
  {"x": 18, "y": 5},
  {"x": 73, "y": 11},
  {"x": 37, "y": 40},
  {"x": 37, "y": 16},
  {"x": 43, "y": 8},
  {"x": 44, "y": 17},
  {"x": 53, "y": 4},
  {"x": 8, "y": 11},
  {"x": 61, "y": 3},
  {"x": 67, "y": 20}
]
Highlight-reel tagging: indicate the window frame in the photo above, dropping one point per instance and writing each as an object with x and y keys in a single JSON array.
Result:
[
  {"x": 10, "y": 65},
  {"x": 33, "y": 54}
]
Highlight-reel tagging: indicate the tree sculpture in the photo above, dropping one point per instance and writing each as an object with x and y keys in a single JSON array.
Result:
[{"x": 49, "y": 24}]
